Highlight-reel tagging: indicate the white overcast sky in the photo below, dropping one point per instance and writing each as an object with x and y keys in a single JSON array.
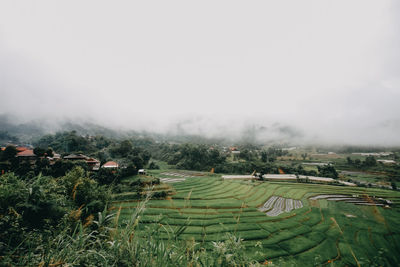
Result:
[{"x": 328, "y": 68}]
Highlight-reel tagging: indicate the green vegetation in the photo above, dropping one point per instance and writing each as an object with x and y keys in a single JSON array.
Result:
[
  {"x": 206, "y": 209},
  {"x": 182, "y": 213},
  {"x": 328, "y": 171},
  {"x": 70, "y": 142},
  {"x": 36, "y": 210}
]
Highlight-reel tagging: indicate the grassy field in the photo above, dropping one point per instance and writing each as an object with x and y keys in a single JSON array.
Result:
[{"x": 206, "y": 208}]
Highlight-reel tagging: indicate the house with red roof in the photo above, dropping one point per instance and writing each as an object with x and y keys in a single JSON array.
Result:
[
  {"x": 22, "y": 148},
  {"x": 27, "y": 155},
  {"x": 110, "y": 164}
]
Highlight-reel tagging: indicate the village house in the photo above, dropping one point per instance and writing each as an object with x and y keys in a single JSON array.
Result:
[
  {"x": 94, "y": 164},
  {"x": 26, "y": 155},
  {"x": 110, "y": 164},
  {"x": 54, "y": 158},
  {"x": 234, "y": 150},
  {"x": 22, "y": 148}
]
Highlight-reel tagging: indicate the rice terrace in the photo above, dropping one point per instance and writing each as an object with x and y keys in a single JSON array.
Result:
[
  {"x": 310, "y": 224},
  {"x": 200, "y": 133}
]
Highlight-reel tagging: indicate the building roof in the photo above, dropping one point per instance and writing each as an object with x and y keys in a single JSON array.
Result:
[
  {"x": 73, "y": 156},
  {"x": 110, "y": 164},
  {"x": 21, "y": 148},
  {"x": 386, "y": 160},
  {"x": 26, "y": 153},
  {"x": 92, "y": 160},
  {"x": 54, "y": 157}
]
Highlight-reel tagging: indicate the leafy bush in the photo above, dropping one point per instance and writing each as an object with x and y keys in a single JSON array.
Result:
[
  {"x": 105, "y": 242},
  {"x": 153, "y": 166},
  {"x": 28, "y": 207},
  {"x": 328, "y": 171},
  {"x": 106, "y": 176}
]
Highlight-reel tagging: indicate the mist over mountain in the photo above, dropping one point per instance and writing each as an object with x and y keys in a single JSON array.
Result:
[
  {"x": 199, "y": 130},
  {"x": 181, "y": 131}
]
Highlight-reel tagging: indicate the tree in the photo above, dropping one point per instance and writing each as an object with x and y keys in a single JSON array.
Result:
[
  {"x": 138, "y": 162},
  {"x": 66, "y": 142},
  {"x": 328, "y": 171},
  {"x": 123, "y": 149},
  {"x": 49, "y": 152},
  {"x": 357, "y": 162},
  {"x": 23, "y": 168},
  {"x": 9, "y": 153},
  {"x": 394, "y": 186},
  {"x": 84, "y": 192},
  {"x": 264, "y": 156},
  {"x": 61, "y": 167},
  {"x": 128, "y": 171},
  {"x": 145, "y": 155},
  {"x": 245, "y": 154},
  {"x": 36, "y": 204},
  {"x": 370, "y": 161},
  {"x": 44, "y": 203},
  {"x": 43, "y": 166},
  {"x": 268, "y": 168},
  {"x": 153, "y": 166},
  {"x": 38, "y": 151},
  {"x": 106, "y": 176}
]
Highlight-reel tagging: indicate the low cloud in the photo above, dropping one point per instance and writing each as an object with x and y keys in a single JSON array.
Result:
[{"x": 264, "y": 70}]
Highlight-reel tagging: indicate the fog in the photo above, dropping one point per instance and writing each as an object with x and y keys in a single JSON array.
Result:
[{"x": 316, "y": 71}]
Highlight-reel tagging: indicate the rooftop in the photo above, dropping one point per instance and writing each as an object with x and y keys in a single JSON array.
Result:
[
  {"x": 110, "y": 164},
  {"x": 26, "y": 153}
]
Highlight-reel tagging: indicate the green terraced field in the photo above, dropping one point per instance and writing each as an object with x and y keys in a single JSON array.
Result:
[{"x": 320, "y": 232}]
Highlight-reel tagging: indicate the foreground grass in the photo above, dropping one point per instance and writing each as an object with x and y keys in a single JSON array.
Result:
[
  {"x": 208, "y": 210},
  {"x": 105, "y": 242}
]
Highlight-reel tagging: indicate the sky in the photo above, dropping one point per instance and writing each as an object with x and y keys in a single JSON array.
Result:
[{"x": 329, "y": 69}]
